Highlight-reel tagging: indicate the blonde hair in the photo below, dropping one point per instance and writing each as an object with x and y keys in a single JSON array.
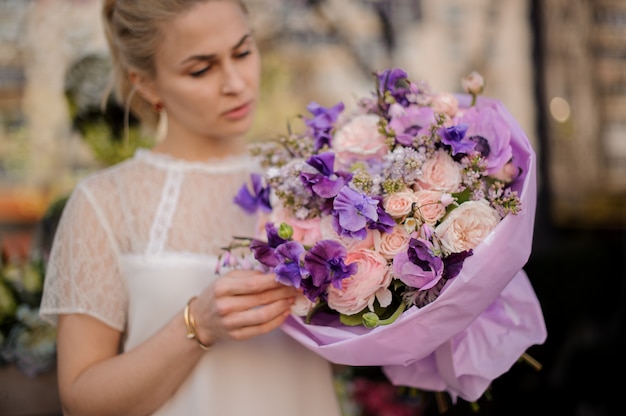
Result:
[{"x": 133, "y": 30}]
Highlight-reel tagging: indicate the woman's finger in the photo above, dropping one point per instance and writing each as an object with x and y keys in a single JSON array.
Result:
[
  {"x": 255, "y": 322},
  {"x": 245, "y": 282},
  {"x": 231, "y": 304}
]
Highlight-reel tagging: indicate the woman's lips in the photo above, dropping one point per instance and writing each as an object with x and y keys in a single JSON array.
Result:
[{"x": 241, "y": 111}]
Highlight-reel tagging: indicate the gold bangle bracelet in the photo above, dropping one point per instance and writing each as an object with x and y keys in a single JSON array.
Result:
[{"x": 190, "y": 323}]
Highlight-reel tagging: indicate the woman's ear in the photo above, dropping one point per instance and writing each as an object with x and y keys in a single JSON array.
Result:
[{"x": 144, "y": 86}]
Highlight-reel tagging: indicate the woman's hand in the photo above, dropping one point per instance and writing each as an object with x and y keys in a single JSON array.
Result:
[{"x": 241, "y": 305}]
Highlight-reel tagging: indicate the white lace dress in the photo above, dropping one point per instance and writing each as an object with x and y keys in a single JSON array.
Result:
[{"x": 136, "y": 241}]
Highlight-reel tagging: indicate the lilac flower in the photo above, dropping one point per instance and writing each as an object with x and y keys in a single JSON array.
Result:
[
  {"x": 325, "y": 262},
  {"x": 321, "y": 125},
  {"x": 258, "y": 199},
  {"x": 413, "y": 121},
  {"x": 265, "y": 252},
  {"x": 289, "y": 271},
  {"x": 353, "y": 211},
  {"x": 455, "y": 138},
  {"x": 326, "y": 183},
  {"x": 418, "y": 267}
]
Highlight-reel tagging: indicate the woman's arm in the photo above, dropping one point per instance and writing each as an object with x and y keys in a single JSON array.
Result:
[{"x": 95, "y": 379}]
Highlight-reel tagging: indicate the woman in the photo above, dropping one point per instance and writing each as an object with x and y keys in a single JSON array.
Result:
[{"x": 144, "y": 325}]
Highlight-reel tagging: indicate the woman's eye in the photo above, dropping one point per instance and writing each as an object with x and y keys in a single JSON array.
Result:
[
  {"x": 243, "y": 54},
  {"x": 200, "y": 72}
]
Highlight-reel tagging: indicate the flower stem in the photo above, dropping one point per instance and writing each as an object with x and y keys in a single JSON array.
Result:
[
  {"x": 389, "y": 320},
  {"x": 531, "y": 361}
]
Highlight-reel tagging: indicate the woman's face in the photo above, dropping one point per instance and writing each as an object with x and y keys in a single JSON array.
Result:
[{"x": 208, "y": 71}]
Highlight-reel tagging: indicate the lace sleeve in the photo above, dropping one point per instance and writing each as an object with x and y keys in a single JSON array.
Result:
[{"x": 83, "y": 274}]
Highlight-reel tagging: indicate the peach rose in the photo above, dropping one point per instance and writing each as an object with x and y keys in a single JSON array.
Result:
[
  {"x": 467, "y": 226},
  {"x": 359, "y": 139},
  {"x": 399, "y": 204},
  {"x": 390, "y": 244},
  {"x": 370, "y": 282},
  {"x": 430, "y": 207},
  {"x": 440, "y": 173}
]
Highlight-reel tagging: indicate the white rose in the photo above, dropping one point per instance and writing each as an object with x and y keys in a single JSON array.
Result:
[
  {"x": 302, "y": 306},
  {"x": 467, "y": 226}
]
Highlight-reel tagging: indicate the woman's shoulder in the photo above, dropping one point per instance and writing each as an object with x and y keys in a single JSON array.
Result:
[
  {"x": 120, "y": 171},
  {"x": 106, "y": 182}
]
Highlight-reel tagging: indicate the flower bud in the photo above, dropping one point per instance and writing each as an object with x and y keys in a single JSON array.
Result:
[
  {"x": 370, "y": 320},
  {"x": 473, "y": 83},
  {"x": 285, "y": 231},
  {"x": 508, "y": 173}
]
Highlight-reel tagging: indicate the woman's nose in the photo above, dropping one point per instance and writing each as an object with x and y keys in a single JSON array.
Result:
[{"x": 233, "y": 82}]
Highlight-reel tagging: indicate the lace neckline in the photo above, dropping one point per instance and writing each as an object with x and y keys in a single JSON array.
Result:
[{"x": 233, "y": 163}]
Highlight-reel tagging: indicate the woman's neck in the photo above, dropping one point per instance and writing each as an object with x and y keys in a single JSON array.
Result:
[{"x": 202, "y": 149}]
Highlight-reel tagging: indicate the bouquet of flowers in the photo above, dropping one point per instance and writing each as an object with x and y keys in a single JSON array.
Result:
[{"x": 405, "y": 223}]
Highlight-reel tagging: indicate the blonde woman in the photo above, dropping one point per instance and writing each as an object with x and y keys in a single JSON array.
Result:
[{"x": 144, "y": 325}]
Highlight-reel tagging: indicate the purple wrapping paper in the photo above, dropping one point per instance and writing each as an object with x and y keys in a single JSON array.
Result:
[{"x": 478, "y": 327}]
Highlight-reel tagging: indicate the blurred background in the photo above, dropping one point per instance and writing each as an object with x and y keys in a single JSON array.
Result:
[{"x": 559, "y": 66}]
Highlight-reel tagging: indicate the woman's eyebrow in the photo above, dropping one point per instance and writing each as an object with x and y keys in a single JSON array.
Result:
[
  {"x": 213, "y": 56},
  {"x": 243, "y": 40}
]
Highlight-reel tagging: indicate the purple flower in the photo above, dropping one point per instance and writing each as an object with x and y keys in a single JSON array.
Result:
[
  {"x": 258, "y": 199},
  {"x": 394, "y": 80},
  {"x": 418, "y": 267},
  {"x": 265, "y": 252},
  {"x": 385, "y": 222},
  {"x": 321, "y": 125},
  {"x": 453, "y": 263},
  {"x": 326, "y": 183},
  {"x": 352, "y": 211},
  {"x": 289, "y": 271},
  {"x": 415, "y": 120},
  {"x": 325, "y": 262},
  {"x": 455, "y": 137},
  {"x": 492, "y": 135}
]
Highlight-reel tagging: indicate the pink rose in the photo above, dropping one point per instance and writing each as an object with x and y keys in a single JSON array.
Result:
[
  {"x": 359, "y": 139},
  {"x": 440, "y": 173},
  {"x": 467, "y": 226},
  {"x": 445, "y": 103},
  {"x": 370, "y": 282},
  {"x": 307, "y": 232},
  {"x": 390, "y": 244},
  {"x": 399, "y": 204},
  {"x": 430, "y": 207}
]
